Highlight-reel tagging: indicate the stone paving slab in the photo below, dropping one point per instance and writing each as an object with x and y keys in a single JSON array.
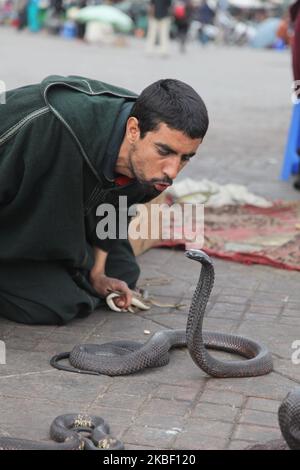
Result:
[{"x": 177, "y": 406}]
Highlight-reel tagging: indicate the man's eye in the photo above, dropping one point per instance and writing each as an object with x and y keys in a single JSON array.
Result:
[
  {"x": 185, "y": 159},
  {"x": 164, "y": 153}
]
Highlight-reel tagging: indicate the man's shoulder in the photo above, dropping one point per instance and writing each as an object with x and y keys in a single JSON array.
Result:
[
  {"x": 86, "y": 85},
  {"x": 88, "y": 108}
]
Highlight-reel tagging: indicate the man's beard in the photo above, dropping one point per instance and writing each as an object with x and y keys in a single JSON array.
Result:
[
  {"x": 136, "y": 174},
  {"x": 140, "y": 177}
]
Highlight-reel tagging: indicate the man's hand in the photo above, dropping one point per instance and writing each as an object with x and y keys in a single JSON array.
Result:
[{"x": 104, "y": 285}]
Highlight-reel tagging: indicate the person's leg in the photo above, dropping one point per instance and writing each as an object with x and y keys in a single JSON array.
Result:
[
  {"x": 22, "y": 311},
  {"x": 184, "y": 35},
  {"x": 41, "y": 293},
  {"x": 121, "y": 263},
  {"x": 151, "y": 35},
  {"x": 296, "y": 73},
  {"x": 296, "y": 48},
  {"x": 81, "y": 27},
  {"x": 164, "y": 36},
  {"x": 181, "y": 34}
]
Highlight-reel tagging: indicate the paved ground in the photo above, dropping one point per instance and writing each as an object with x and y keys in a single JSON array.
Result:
[{"x": 178, "y": 406}]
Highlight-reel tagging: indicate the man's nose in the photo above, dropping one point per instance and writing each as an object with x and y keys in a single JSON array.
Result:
[{"x": 172, "y": 168}]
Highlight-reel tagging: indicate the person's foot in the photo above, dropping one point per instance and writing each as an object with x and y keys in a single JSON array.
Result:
[{"x": 297, "y": 184}]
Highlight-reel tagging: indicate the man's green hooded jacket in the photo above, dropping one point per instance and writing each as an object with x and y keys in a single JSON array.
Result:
[{"x": 53, "y": 142}]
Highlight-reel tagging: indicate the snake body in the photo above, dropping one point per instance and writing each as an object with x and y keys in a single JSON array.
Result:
[
  {"x": 127, "y": 357},
  {"x": 289, "y": 423},
  {"x": 70, "y": 432},
  {"x": 289, "y": 419}
]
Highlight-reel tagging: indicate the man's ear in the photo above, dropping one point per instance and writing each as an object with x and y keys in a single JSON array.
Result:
[{"x": 132, "y": 130}]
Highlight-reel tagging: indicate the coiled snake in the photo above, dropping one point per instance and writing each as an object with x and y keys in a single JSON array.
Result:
[
  {"x": 127, "y": 357},
  {"x": 289, "y": 423},
  {"x": 71, "y": 432}
]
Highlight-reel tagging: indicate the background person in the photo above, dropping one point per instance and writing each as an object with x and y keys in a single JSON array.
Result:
[
  {"x": 295, "y": 17},
  {"x": 159, "y": 24},
  {"x": 183, "y": 12}
]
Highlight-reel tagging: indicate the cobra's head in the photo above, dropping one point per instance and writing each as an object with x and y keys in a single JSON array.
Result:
[{"x": 198, "y": 255}]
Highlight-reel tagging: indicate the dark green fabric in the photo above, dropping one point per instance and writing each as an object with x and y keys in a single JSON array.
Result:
[
  {"x": 41, "y": 184},
  {"x": 47, "y": 293},
  {"x": 90, "y": 109},
  {"x": 39, "y": 292},
  {"x": 112, "y": 152}
]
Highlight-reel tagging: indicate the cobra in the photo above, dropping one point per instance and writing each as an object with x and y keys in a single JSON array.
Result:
[
  {"x": 289, "y": 423},
  {"x": 70, "y": 432},
  {"x": 127, "y": 357}
]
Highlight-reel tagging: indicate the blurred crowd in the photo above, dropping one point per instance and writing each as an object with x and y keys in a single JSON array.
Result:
[{"x": 219, "y": 21}]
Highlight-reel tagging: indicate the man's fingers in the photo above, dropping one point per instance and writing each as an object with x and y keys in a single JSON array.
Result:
[
  {"x": 119, "y": 301},
  {"x": 125, "y": 299}
]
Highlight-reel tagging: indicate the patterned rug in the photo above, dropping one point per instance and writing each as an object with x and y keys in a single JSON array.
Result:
[{"x": 250, "y": 234}]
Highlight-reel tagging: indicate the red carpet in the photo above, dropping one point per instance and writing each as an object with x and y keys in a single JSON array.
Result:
[{"x": 250, "y": 234}]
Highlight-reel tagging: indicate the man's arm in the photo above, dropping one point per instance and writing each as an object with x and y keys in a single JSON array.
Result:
[
  {"x": 104, "y": 285},
  {"x": 100, "y": 260}
]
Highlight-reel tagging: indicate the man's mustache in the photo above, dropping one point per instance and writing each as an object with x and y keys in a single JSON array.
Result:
[{"x": 166, "y": 180}]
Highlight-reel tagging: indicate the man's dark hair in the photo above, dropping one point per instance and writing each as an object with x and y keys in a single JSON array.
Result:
[{"x": 174, "y": 103}]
